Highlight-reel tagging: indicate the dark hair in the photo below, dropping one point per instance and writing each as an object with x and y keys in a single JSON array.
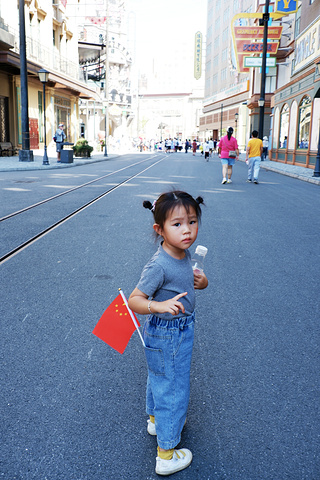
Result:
[
  {"x": 168, "y": 201},
  {"x": 255, "y": 133},
  {"x": 229, "y": 132}
]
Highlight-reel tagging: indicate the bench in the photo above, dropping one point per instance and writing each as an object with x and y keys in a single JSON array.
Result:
[{"x": 6, "y": 149}]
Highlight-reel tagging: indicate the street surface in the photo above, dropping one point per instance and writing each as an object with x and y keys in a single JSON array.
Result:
[{"x": 74, "y": 409}]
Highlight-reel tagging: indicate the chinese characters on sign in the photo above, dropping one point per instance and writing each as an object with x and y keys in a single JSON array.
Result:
[{"x": 198, "y": 55}]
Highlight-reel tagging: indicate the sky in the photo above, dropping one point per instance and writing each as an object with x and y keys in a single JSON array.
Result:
[{"x": 164, "y": 26}]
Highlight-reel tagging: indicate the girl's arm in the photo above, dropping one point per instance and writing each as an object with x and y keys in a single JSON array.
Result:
[
  {"x": 140, "y": 303},
  {"x": 200, "y": 281}
]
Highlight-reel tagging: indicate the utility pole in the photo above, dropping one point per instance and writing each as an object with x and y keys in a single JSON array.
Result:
[
  {"x": 261, "y": 102},
  {"x": 106, "y": 83}
]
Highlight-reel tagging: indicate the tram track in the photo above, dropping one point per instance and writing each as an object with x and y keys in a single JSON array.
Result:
[
  {"x": 49, "y": 199},
  {"x": 8, "y": 255}
]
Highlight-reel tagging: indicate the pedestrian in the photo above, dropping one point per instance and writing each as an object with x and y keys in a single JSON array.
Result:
[
  {"x": 186, "y": 145},
  {"x": 206, "y": 150},
  {"x": 229, "y": 152},
  {"x": 210, "y": 147},
  {"x": 59, "y": 136},
  {"x": 265, "y": 143},
  {"x": 253, "y": 155},
  {"x": 284, "y": 145},
  {"x": 194, "y": 146},
  {"x": 165, "y": 291},
  {"x": 215, "y": 142}
]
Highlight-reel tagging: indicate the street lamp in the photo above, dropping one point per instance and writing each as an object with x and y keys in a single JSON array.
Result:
[
  {"x": 236, "y": 116},
  {"x": 43, "y": 76},
  {"x": 105, "y": 103}
]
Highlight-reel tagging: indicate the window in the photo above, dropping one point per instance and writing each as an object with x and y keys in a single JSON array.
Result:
[
  {"x": 216, "y": 43},
  {"x": 223, "y": 75},
  {"x": 225, "y": 35},
  {"x": 224, "y": 55},
  {"x": 304, "y": 123},
  {"x": 284, "y": 126},
  {"x": 226, "y": 15},
  {"x": 297, "y": 22},
  {"x": 216, "y": 61}
]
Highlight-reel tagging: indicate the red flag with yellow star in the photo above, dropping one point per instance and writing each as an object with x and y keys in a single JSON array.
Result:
[{"x": 116, "y": 325}]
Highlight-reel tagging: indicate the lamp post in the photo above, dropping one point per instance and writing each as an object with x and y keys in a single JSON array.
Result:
[
  {"x": 25, "y": 154},
  {"x": 221, "y": 120},
  {"x": 43, "y": 76},
  {"x": 261, "y": 102},
  {"x": 236, "y": 116},
  {"x": 105, "y": 103}
]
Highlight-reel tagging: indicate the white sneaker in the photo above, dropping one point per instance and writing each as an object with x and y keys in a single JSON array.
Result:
[
  {"x": 181, "y": 459},
  {"x": 224, "y": 180},
  {"x": 229, "y": 181},
  {"x": 151, "y": 428}
]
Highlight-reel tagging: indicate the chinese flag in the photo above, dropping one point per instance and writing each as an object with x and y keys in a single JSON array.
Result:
[{"x": 116, "y": 326}]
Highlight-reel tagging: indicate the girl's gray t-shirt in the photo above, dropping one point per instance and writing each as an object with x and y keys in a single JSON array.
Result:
[{"x": 165, "y": 277}]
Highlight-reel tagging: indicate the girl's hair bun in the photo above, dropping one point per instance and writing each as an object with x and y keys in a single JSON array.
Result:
[
  {"x": 199, "y": 200},
  {"x": 147, "y": 204}
]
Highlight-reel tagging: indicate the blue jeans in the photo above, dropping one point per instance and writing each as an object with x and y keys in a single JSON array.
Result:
[
  {"x": 168, "y": 350},
  {"x": 254, "y": 167}
]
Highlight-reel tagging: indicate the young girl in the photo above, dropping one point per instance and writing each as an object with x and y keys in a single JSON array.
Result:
[{"x": 166, "y": 291}]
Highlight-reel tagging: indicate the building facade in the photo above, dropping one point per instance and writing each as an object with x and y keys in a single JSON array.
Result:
[
  {"x": 226, "y": 90},
  {"x": 51, "y": 44},
  {"x": 292, "y": 86},
  {"x": 296, "y": 100}
]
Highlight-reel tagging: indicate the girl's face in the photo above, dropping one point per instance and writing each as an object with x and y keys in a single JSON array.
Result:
[{"x": 179, "y": 231}]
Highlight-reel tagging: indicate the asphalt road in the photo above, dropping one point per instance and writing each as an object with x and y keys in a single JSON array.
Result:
[{"x": 74, "y": 409}]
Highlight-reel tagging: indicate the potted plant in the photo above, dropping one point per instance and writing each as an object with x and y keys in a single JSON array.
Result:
[{"x": 82, "y": 148}]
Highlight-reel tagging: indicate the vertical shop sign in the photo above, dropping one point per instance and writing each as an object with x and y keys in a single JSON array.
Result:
[{"x": 198, "y": 55}]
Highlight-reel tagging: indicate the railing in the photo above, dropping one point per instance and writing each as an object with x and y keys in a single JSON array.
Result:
[{"x": 46, "y": 57}]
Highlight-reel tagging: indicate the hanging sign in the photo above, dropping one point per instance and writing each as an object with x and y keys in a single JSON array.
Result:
[
  {"x": 286, "y": 6},
  {"x": 198, "y": 55}
]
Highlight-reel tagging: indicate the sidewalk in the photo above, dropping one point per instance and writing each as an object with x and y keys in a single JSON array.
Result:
[
  {"x": 11, "y": 164},
  {"x": 301, "y": 173},
  {"x": 8, "y": 164}
]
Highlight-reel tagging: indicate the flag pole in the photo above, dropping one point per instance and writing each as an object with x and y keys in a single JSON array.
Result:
[{"x": 131, "y": 315}]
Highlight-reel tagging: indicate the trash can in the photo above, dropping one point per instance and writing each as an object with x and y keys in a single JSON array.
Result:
[{"x": 67, "y": 153}]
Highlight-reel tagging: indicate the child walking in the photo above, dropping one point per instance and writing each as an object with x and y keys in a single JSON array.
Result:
[{"x": 165, "y": 291}]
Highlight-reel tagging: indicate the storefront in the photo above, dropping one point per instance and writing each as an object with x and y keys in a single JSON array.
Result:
[{"x": 296, "y": 106}]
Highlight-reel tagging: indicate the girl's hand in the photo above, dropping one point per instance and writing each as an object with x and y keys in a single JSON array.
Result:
[
  {"x": 171, "y": 306},
  {"x": 200, "y": 280}
]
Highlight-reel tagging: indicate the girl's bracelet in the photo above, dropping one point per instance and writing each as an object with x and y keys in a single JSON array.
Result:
[{"x": 149, "y": 306}]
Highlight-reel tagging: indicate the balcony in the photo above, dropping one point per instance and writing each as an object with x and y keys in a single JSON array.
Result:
[{"x": 6, "y": 38}]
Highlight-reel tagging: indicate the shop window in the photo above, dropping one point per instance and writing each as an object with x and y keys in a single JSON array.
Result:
[
  {"x": 284, "y": 126},
  {"x": 304, "y": 123}
]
